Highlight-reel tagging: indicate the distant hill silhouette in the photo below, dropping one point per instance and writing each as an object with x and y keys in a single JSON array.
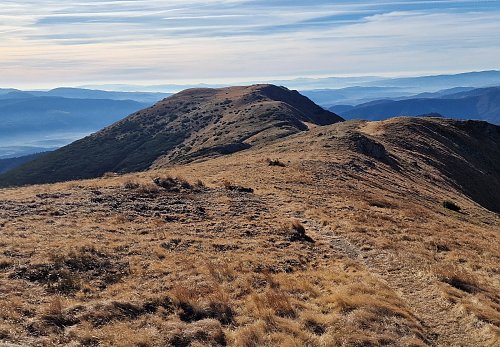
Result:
[
  {"x": 81, "y": 93},
  {"x": 476, "y": 79},
  {"x": 354, "y": 95},
  {"x": 400, "y": 88},
  {"x": 15, "y": 94},
  {"x": 480, "y": 104}
]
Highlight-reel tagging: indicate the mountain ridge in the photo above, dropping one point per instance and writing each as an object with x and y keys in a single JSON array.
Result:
[
  {"x": 192, "y": 124},
  {"x": 357, "y": 233}
]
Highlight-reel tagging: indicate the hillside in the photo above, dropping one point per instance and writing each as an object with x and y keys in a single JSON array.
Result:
[
  {"x": 481, "y": 104},
  {"x": 12, "y": 163},
  {"x": 341, "y": 239},
  {"x": 194, "y": 124}
]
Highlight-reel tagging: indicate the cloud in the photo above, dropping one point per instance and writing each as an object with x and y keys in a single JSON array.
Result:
[{"x": 74, "y": 42}]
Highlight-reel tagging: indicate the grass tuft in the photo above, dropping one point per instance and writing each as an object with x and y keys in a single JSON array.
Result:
[
  {"x": 450, "y": 205},
  {"x": 275, "y": 162},
  {"x": 297, "y": 232}
]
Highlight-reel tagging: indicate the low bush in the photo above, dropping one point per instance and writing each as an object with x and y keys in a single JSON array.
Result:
[
  {"x": 275, "y": 162},
  {"x": 131, "y": 185},
  {"x": 297, "y": 232},
  {"x": 235, "y": 188},
  {"x": 450, "y": 205},
  {"x": 206, "y": 332},
  {"x": 194, "y": 305},
  {"x": 55, "y": 316},
  {"x": 66, "y": 273},
  {"x": 172, "y": 184}
]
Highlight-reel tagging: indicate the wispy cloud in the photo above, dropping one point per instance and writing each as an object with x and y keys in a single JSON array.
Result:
[{"x": 49, "y": 42}]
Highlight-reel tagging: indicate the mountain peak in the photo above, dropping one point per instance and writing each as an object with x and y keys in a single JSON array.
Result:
[{"x": 191, "y": 125}]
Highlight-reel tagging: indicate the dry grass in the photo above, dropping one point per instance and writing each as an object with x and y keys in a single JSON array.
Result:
[
  {"x": 130, "y": 280},
  {"x": 94, "y": 263}
]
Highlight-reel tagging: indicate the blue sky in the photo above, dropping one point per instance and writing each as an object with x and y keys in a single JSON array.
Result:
[{"x": 46, "y": 43}]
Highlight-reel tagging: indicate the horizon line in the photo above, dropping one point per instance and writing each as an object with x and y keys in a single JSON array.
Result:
[{"x": 102, "y": 85}]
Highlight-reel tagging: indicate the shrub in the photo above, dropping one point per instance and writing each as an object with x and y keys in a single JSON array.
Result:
[
  {"x": 56, "y": 317},
  {"x": 450, "y": 205},
  {"x": 206, "y": 332},
  {"x": 106, "y": 313},
  {"x": 194, "y": 305},
  {"x": 172, "y": 184},
  {"x": 184, "y": 183},
  {"x": 131, "y": 185},
  {"x": 235, "y": 188},
  {"x": 314, "y": 326},
  {"x": 67, "y": 272},
  {"x": 5, "y": 263},
  {"x": 297, "y": 232},
  {"x": 275, "y": 162}
]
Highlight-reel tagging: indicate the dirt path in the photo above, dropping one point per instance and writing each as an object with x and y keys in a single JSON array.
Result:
[{"x": 445, "y": 324}]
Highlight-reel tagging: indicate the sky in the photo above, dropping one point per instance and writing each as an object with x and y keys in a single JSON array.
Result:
[{"x": 46, "y": 43}]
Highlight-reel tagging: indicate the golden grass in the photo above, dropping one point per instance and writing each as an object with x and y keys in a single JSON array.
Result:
[{"x": 139, "y": 265}]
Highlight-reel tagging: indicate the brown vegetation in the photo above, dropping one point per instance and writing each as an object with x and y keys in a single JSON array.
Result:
[{"x": 151, "y": 259}]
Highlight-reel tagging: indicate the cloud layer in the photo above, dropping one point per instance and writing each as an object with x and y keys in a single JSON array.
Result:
[{"x": 48, "y": 43}]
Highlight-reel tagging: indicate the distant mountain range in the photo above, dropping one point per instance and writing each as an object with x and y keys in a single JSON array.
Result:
[
  {"x": 396, "y": 88},
  {"x": 400, "y": 88},
  {"x": 353, "y": 95},
  {"x": 436, "y": 82},
  {"x": 81, "y": 93},
  {"x": 412, "y": 85},
  {"x": 37, "y": 121},
  {"x": 467, "y": 103}
]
